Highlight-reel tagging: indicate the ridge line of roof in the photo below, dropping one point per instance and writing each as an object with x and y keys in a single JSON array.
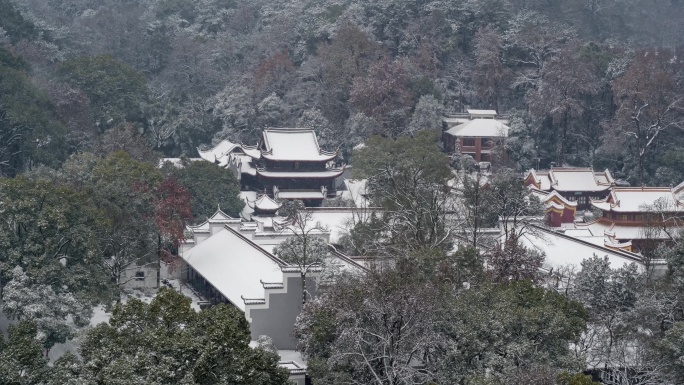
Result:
[
  {"x": 346, "y": 258},
  {"x": 585, "y": 243},
  {"x": 257, "y": 247}
]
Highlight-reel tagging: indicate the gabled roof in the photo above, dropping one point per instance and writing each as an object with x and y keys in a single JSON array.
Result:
[
  {"x": 579, "y": 179},
  {"x": 486, "y": 128},
  {"x": 678, "y": 190},
  {"x": 561, "y": 249},
  {"x": 604, "y": 178},
  {"x": 623, "y": 232},
  {"x": 639, "y": 199},
  {"x": 220, "y": 216},
  {"x": 481, "y": 112},
  {"x": 226, "y": 147},
  {"x": 554, "y": 195},
  {"x": 539, "y": 178},
  {"x": 293, "y": 144},
  {"x": 234, "y": 265},
  {"x": 265, "y": 203}
]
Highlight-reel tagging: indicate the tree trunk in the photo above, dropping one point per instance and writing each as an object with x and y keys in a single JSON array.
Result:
[
  {"x": 158, "y": 260},
  {"x": 641, "y": 169},
  {"x": 303, "y": 288},
  {"x": 477, "y": 211}
]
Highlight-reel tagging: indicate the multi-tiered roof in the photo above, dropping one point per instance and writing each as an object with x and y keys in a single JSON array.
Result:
[{"x": 288, "y": 163}]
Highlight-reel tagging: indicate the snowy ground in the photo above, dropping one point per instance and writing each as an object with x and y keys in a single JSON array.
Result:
[{"x": 101, "y": 315}]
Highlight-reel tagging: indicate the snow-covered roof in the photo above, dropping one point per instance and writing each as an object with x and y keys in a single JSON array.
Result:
[
  {"x": 203, "y": 227},
  {"x": 555, "y": 195},
  {"x": 490, "y": 128},
  {"x": 220, "y": 216},
  {"x": 226, "y": 147},
  {"x": 301, "y": 174},
  {"x": 234, "y": 266},
  {"x": 604, "y": 177},
  {"x": 292, "y": 144},
  {"x": 540, "y": 178},
  {"x": 265, "y": 203},
  {"x": 571, "y": 179},
  {"x": 623, "y": 232},
  {"x": 292, "y": 361},
  {"x": 301, "y": 195},
  {"x": 563, "y": 250},
  {"x": 540, "y": 194},
  {"x": 638, "y": 199},
  {"x": 356, "y": 191},
  {"x": 337, "y": 219},
  {"x": 576, "y": 179},
  {"x": 579, "y": 233},
  {"x": 248, "y": 197},
  {"x": 491, "y": 113},
  {"x": 678, "y": 190}
]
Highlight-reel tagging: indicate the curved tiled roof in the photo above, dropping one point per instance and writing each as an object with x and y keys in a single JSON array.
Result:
[{"x": 293, "y": 144}]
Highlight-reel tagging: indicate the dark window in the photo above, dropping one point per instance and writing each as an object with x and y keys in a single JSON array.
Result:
[
  {"x": 468, "y": 142},
  {"x": 487, "y": 143},
  {"x": 139, "y": 275},
  {"x": 484, "y": 157}
]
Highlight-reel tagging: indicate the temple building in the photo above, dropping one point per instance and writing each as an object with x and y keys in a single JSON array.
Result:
[
  {"x": 287, "y": 163},
  {"x": 641, "y": 217},
  {"x": 478, "y": 134},
  {"x": 557, "y": 209},
  {"x": 575, "y": 184}
]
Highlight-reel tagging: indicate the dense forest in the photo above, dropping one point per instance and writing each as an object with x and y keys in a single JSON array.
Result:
[
  {"x": 587, "y": 83},
  {"x": 93, "y": 93}
]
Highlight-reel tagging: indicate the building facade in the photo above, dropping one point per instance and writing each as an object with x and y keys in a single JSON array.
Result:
[
  {"x": 287, "y": 163},
  {"x": 478, "y": 134},
  {"x": 642, "y": 217},
  {"x": 581, "y": 185}
]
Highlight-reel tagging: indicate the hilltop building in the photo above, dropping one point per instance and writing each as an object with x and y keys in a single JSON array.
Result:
[
  {"x": 287, "y": 163},
  {"x": 478, "y": 133},
  {"x": 639, "y": 217},
  {"x": 574, "y": 184}
]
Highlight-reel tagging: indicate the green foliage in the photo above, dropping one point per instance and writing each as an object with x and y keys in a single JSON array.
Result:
[
  {"x": 500, "y": 328},
  {"x": 512, "y": 261},
  {"x": 21, "y": 357},
  {"x": 167, "y": 342},
  {"x": 43, "y": 223},
  {"x": 605, "y": 291},
  {"x": 407, "y": 178},
  {"x": 14, "y": 24},
  {"x": 26, "y": 301},
  {"x": 28, "y": 132},
  {"x": 116, "y": 90},
  {"x": 211, "y": 186},
  {"x": 370, "y": 328},
  {"x": 12, "y": 61}
]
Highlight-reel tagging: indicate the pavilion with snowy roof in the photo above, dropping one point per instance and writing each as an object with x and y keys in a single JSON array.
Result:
[
  {"x": 287, "y": 163},
  {"x": 478, "y": 134},
  {"x": 575, "y": 184},
  {"x": 639, "y": 215}
]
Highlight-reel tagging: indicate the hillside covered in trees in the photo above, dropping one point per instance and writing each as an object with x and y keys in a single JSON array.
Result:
[
  {"x": 93, "y": 93},
  {"x": 588, "y": 83}
]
